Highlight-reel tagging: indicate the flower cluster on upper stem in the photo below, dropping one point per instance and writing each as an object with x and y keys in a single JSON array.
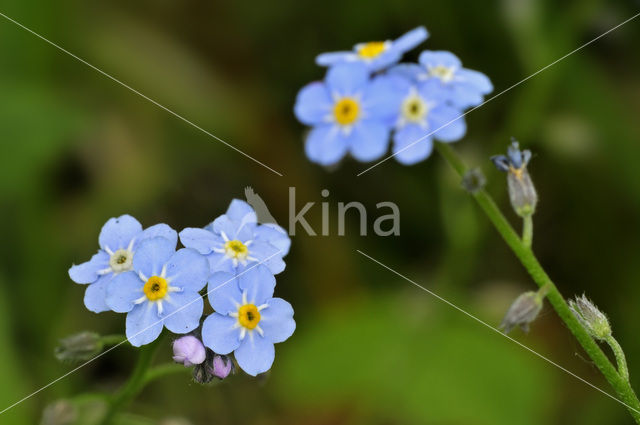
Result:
[
  {"x": 368, "y": 98},
  {"x": 143, "y": 274}
]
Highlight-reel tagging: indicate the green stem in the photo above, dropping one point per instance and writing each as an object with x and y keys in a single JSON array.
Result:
[
  {"x": 164, "y": 370},
  {"x": 111, "y": 340},
  {"x": 135, "y": 383},
  {"x": 620, "y": 358},
  {"x": 529, "y": 261},
  {"x": 527, "y": 230}
]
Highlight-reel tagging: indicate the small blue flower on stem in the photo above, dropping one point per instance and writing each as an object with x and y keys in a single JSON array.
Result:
[
  {"x": 376, "y": 55},
  {"x": 349, "y": 113},
  {"x": 247, "y": 321},
  {"x": 161, "y": 290},
  {"x": 235, "y": 240},
  {"x": 423, "y": 114},
  {"x": 119, "y": 240},
  {"x": 522, "y": 192},
  {"x": 463, "y": 87}
]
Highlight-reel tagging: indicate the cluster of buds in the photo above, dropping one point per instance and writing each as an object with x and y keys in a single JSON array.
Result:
[
  {"x": 79, "y": 347},
  {"x": 522, "y": 193},
  {"x": 207, "y": 365}
]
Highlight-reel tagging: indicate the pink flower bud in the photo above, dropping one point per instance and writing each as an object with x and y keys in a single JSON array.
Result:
[{"x": 188, "y": 350}]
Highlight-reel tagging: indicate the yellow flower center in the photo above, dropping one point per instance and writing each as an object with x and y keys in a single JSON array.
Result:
[
  {"x": 372, "y": 49},
  {"x": 445, "y": 73},
  {"x": 236, "y": 249},
  {"x": 346, "y": 111},
  {"x": 414, "y": 109},
  {"x": 249, "y": 316},
  {"x": 156, "y": 288}
]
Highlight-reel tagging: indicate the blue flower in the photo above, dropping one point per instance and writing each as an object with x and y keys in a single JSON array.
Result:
[
  {"x": 376, "y": 55},
  {"x": 161, "y": 290},
  {"x": 247, "y": 321},
  {"x": 424, "y": 114},
  {"x": 349, "y": 113},
  {"x": 119, "y": 240},
  {"x": 235, "y": 240},
  {"x": 464, "y": 87}
]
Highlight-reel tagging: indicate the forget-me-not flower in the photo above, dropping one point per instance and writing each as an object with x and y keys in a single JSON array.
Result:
[
  {"x": 376, "y": 55},
  {"x": 161, "y": 290},
  {"x": 235, "y": 241},
  {"x": 247, "y": 321},
  {"x": 349, "y": 113},
  {"x": 464, "y": 87},
  {"x": 119, "y": 239},
  {"x": 423, "y": 114}
]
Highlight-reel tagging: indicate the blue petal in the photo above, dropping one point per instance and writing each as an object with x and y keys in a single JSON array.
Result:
[
  {"x": 410, "y": 144},
  {"x": 449, "y": 121},
  {"x": 476, "y": 79},
  {"x": 232, "y": 229},
  {"x": 325, "y": 145},
  {"x": 333, "y": 58},
  {"x": 182, "y": 311},
  {"x": 275, "y": 235},
  {"x": 220, "y": 334},
  {"x": 162, "y": 230},
  {"x": 383, "y": 98},
  {"x": 152, "y": 254},
  {"x": 259, "y": 283},
  {"x": 267, "y": 255},
  {"x": 411, "y": 39},
  {"x": 384, "y": 60},
  {"x": 241, "y": 212},
  {"x": 96, "y": 294},
  {"x": 118, "y": 232},
  {"x": 463, "y": 95},
  {"x": 410, "y": 71},
  {"x": 123, "y": 290},
  {"x": 347, "y": 79},
  {"x": 276, "y": 320},
  {"x": 224, "y": 293},
  {"x": 143, "y": 324},
  {"x": 255, "y": 354},
  {"x": 369, "y": 140},
  {"x": 219, "y": 262},
  {"x": 88, "y": 272},
  {"x": 430, "y": 58},
  {"x": 187, "y": 269},
  {"x": 313, "y": 104},
  {"x": 201, "y": 240}
]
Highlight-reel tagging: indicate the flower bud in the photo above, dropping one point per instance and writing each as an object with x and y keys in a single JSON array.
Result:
[
  {"x": 593, "y": 320},
  {"x": 473, "y": 180},
  {"x": 522, "y": 192},
  {"x": 523, "y": 311},
  {"x": 188, "y": 350},
  {"x": 201, "y": 374},
  {"x": 220, "y": 366},
  {"x": 79, "y": 347}
]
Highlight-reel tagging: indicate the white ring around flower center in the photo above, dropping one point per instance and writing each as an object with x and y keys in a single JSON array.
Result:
[
  {"x": 121, "y": 261},
  {"x": 414, "y": 108},
  {"x": 444, "y": 73}
]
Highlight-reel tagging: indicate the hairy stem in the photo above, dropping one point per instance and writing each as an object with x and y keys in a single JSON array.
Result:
[
  {"x": 527, "y": 231},
  {"x": 135, "y": 383},
  {"x": 620, "y": 358},
  {"x": 529, "y": 261}
]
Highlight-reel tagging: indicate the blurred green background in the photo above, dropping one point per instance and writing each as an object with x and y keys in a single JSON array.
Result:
[{"x": 369, "y": 348}]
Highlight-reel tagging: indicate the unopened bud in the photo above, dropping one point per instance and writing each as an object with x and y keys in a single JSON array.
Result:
[
  {"x": 522, "y": 192},
  {"x": 79, "y": 347},
  {"x": 60, "y": 412},
  {"x": 593, "y": 320},
  {"x": 522, "y": 311},
  {"x": 188, "y": 350},
  {"x": 473, "y": 180},
  {"x": 220, "y": 366}
]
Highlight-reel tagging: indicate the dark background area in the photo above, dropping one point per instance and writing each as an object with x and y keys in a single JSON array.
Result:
[{"x": 370, "y": 348}]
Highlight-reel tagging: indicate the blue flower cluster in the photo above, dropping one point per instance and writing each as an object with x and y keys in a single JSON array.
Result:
[
  {"x": 367, "y": 96},
  {"x": 141, "y": 273}
]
